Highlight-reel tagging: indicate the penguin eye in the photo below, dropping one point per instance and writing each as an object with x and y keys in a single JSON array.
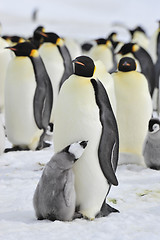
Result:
[{"x": 156, "y": 127}]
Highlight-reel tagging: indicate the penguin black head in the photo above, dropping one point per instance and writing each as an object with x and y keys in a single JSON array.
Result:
[
  {"x": 153, "y": 125},
  {"x": 129, "y": 48},
  {"x": 137, "y": 29},
  {"x": 127, "y": 64},
  {"x": 83, "y": 66},
  {"x": 100, "y": 41},
  {"x": 52, "y": 38},
  {"x": 25, "y": 49}
]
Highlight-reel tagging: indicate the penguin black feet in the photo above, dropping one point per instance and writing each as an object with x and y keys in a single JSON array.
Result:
[
  {"x": 106, "y": 210},
  {"x": 15, "y": 148}
]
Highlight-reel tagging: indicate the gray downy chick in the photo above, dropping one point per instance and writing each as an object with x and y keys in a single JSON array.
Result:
[
  {"x": 55, "y": 196},
  {"x": 151, "y": 151}
]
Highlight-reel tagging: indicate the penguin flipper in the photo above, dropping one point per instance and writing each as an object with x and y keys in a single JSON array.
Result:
[
  {"x": 68, "y": 67},
  {"x": 108, "y": 150}
]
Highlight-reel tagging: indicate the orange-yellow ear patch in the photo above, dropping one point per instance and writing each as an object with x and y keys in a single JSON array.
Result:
[
  {"x": 135, "y": 48},
  {"x": 34, "y": 53},
  {"x": 59, "y": 42}
]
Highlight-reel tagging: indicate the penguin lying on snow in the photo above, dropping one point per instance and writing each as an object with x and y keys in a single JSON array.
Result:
[
  {"x": 55, "y": 197},
  {"x": 28, "y": 98},
  {"x": 83, "y": 111},
  {"x": 151, "y": 151}
]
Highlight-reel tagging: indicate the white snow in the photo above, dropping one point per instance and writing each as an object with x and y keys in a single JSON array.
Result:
[{"x": 137, "y": 196}]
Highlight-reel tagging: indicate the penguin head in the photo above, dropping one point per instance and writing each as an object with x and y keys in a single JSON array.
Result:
[
  {"x": 83, "y": 66},
  {"x": 103, "y": 41},
  {"x": 70, "y": 154},
  {"x": 52, "y": 38},
  {"x": 129, "y": 48},
  {"x": 137, "y": 29},
  {"x": 127, "y": 64},
  {"x": 154, "y": 125},
  {"x": 25, "y": 49}
]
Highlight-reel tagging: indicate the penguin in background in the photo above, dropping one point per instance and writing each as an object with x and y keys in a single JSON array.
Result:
[
  {"x": 114, "y": 40},
  {"x": 2, "y": 138},
  {"x": 57, "y": 60},
  {"x": 151, "y": 150},
  {"x": 144, "y": 61},
  {"x": 104, "y": 51},
  {"x": 37, "y": 38},
  {"x": 134, "y": 110},
  {"x": 5, "y": 58},
  {"x": 107, "y": 81},
  {"x": 139, "y": 36},
  {"x": 73, "y": 47},
  {"x": 55, "y": 197},
  {"x": 83, "y": 111},
  {"x": 13, "y": 40},
  {"x": 87, "y": 45},
  {"x": 28, "y": 99}
]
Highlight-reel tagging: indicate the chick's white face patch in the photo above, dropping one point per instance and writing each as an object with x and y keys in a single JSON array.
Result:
[{"x": 76, "y": 149}]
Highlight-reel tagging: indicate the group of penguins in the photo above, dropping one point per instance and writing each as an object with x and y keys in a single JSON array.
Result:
[{"x": 97, "y": 101}]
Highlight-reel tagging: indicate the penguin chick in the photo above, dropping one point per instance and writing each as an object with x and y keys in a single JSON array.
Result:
[
  {"x": 134, "y": 109},
  {"x": 28, "y": 98},
  {"x": 151, "y": 150},
  {"x": 55, "y": 197}
]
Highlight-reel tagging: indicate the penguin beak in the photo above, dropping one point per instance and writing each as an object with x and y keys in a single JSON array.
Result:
[
  {"x": 11, "y": 48},
  {"x": 126, "y": 64},
  {"x": 43, "y": 34},
  {"x": 77, "y": 62}
]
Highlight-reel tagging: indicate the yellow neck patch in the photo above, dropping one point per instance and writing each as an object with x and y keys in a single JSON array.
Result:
[
  {"x": 135, "y": 48},
  {"x": 59, "y": 42},
  {"x": 34, "y": 53}
]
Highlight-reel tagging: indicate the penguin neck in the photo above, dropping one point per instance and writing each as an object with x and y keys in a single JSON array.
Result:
[{"x": 38, "y": 67}]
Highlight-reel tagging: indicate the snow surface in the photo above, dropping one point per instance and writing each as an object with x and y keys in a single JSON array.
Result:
[{"x": 137, "y": 196}]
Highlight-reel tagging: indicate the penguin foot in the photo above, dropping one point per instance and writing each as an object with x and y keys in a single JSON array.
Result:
[
  {"x": 106, "y": 210},
  {"x": 43, "y": 145},
  {"x": 15, "y": 148},
  {"x": 77, "y": 215}
]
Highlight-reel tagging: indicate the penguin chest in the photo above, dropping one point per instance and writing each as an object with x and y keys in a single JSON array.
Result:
[
  {"x": 19, "y": 94},
  {"x": 77, "y": 118}
]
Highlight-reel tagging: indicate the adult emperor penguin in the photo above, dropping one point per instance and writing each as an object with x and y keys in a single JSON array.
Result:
[
  {"x": 83, "y": 111},
  {"x": 5, "y": 58},
  {"x": 2, "y": 137},
  {"x": 151, "y": 151},
  {"x": 144, "y": 60},
  {"x": 55, "y": 197},
  {"x": 104, "y": 51},
  {"x": 28, "y": 98},
  {"x": 139, "y": 36},
  {"x": 57, "y": 60},
  {"x": 134, "y": 109}
]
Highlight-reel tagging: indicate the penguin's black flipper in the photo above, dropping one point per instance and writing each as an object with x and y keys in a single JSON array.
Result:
[
  {"x": 109, "y": 143},
  {"x": 43, "y": 98},
  {"x": 68, "y": 66},
  {"x": 106, "y": 210}
]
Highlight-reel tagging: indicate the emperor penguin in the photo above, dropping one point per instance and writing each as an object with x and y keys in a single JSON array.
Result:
[
  {"x": 55, "y": 197},
  {"x": 5, "y": 58},
  {"x": 144, "y": 61},
  {"x": 83, "y": 111},
  {"x": 37, "y": 39},
  {"x": 134, "y": 109},
  {"x": 57, "y": 60},
  {"x": 151, "y": 150},
  {"x": 139, "y": 36},
  {"x": 103, "y": 51},
  {"x": 73, "y": 47},
  {"x": 28, "y": 98},
  {"x": 2, "y": 137}
]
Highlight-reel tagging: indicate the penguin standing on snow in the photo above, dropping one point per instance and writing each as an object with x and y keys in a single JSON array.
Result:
[
  {"x": 2, "y": 138},
  {"x": 104, "y": 51},
  {"x": 134, "y": 109},
  {"x": 83, "y": 111},
  {"x": 55, "y": 197},
  {"x": 28, "y": 98},
  {"x": 144, "y": 60},
  {"x": 57, "y": 60},
  {"x": 151, "y": 151}
]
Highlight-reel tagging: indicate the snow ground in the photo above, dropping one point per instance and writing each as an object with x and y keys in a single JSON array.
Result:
[{"x": 137, "y": 196}]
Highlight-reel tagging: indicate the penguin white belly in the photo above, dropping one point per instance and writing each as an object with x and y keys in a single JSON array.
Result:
[
  {"x": 77, "y": 118},
  {"x": 5, "y": 58},
  {"x": 134, "y": 109},
  {"x": 54, "y": 66},
  {"x": 19, "y": 94},
  {"x": 104, "y": 54}
]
